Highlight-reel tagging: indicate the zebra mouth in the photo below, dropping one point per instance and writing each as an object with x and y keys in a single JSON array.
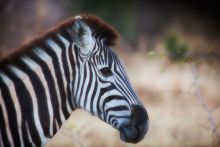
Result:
[
  {"x": 131, "y": 135},
  {"x": 137, "y": 128}
]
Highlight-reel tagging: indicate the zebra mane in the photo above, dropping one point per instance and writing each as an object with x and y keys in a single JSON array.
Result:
[
  {"x": 101, "y": 29},
  {"x": 27, "y": 48}
]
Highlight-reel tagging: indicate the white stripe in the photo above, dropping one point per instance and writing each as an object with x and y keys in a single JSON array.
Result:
[
  {"x": 67, "y": 44},
  {"x": 58, "y": 52},
  {"x": 94, "y": 103},
  {"x": 126, "y": 92},
  {"x": 77, "y": 75},
  {"x": 91, "y": 89},
  {"x": 5, "y": 115},
  {"x": 57, "y": 126},
  {"x": 116, "y": 113},
  {"x": 124, "y": 85},
  {"x": 107, "y": 94},
  {"x": 115, "y": 103},
  {"x": 26, "y": 80},
  {"x": 47, "y": 59},
  {"x": 14, "y": 97},
  {"x": 86, "y": 82},
  {"x": 29, "y": 135},
  {"x": 37, "y": 69},
  {"x": 80, "y": 88}
]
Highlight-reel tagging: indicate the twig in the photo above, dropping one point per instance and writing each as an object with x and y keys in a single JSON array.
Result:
[{"x": 201, "y": 100}]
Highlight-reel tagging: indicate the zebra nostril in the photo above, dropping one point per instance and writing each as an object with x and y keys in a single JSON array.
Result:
[
  {"x": 140, "y": 120},
  {"x": 136, "y": 130}
]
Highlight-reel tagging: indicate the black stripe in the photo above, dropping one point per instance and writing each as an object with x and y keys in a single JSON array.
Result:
[
  {"x": 117, "y": 108},
  {"x": 122, "y": 80},
  {"x": 65, "y": 66},
  {"x": 51, "y": 86},
  {"x": 93, "y": 97},
  {"x": 112, "y": 97},
  {"x": 11, "y": 113},
  {"x": 58, "y": 75},
  {"x": 71, "y": 58},
  {"x": 63, "y": 57},
  {"x": 78, "y": 65},
  {"x": 26, "y": 141},
  {"x": 43, "y": 110},
  {"x": 114, "y": 116},
  {"x": 114, "y": 122},
  {"x": 88, "y": 88},
  {"x": 5, "y": 140},
  {"x": 102, "y": 92},
  {"x": 110, "y": 58},
  {"x": 119, "y": 73},
  {"x": 83, "y": 84},
  {"x": 65, "y": 34},
  {"x": 76, "y": 49},
  {"x": 95, "y": 50},
  {"x": 103, "y": 81},
  {"x": 126, "y": 80},
  {"x": 26, "y": 106},
  {"x": 124, "y": 90},
  {"x": 54, "y": 126}
]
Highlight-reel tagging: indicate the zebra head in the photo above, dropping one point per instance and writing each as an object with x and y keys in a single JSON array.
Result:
[{"x": 105, "y": 90}]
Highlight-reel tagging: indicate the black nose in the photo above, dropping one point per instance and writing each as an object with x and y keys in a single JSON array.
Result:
[{"x": 138, "y": 126}]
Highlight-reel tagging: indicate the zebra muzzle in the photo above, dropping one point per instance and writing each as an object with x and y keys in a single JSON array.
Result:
[{"x": 138, "y": 126}]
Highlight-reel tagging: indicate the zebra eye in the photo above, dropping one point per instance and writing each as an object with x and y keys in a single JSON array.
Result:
[{"x": 106, "y": 71}]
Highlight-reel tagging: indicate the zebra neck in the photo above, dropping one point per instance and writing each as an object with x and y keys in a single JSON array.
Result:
[
  {"x": 35, "y": 86},
  {"x": 59, "y": 57},
  {"x": 53, "y": 64}
]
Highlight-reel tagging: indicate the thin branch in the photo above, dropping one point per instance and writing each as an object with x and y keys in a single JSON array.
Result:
[{"x": 201, "y": 100}]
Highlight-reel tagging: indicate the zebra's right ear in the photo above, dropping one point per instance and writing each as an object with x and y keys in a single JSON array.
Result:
[{"x": 82, "y": 36}]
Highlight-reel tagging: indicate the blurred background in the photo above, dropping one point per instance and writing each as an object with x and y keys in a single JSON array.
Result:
[{"x": 171, "y": 50}]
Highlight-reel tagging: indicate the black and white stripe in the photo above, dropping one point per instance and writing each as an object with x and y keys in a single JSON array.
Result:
[{"x": 39, "y": 89}]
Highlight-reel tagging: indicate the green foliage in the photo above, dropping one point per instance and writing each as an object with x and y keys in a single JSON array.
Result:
[
  {"x": 176, "y": 50},
  {"x": 120, "y": 14}
]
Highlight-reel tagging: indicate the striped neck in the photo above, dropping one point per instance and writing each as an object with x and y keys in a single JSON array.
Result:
[
  {"x": 41, "y": 79},
  {"x": 58, "y": 59}
]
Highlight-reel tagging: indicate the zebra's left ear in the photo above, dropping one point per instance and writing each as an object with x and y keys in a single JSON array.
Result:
[{"x": 82, "y": 36}]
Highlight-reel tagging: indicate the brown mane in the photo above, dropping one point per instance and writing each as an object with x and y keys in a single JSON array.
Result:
[
  {"x": 26, "y": 48},
  {"x": 99, "y": 28}
]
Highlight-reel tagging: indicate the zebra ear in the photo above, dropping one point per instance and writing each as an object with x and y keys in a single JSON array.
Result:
[{"x": 82, "y": 36}]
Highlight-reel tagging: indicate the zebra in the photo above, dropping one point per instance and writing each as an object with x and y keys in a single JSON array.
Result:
[{"x": 71, "y": 66}]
